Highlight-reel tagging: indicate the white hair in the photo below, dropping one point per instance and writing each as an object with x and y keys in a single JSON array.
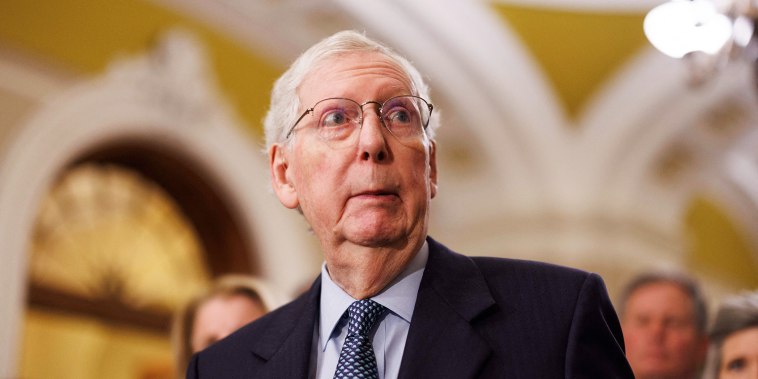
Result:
[{"x": 285, "y": 103}]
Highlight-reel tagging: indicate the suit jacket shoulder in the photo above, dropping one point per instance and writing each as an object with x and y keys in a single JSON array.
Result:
[{"x": 511, "y": 318}]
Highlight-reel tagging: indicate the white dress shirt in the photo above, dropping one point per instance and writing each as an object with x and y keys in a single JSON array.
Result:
[{"x": 388, "y": 338}]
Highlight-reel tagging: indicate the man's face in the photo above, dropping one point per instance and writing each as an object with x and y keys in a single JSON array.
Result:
[
  {"x": 375, "y": 192},
  {"x": 661, "y": 336}
]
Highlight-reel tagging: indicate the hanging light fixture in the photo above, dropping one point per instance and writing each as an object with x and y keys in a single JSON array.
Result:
[
  {"x": 708, "y": 33},
  {"x": 679, "y": 27}
]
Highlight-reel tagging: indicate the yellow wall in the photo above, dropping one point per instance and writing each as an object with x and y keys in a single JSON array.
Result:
[
  {"x": 578, "y": 51},
  {"x": 717, "y": 247}
]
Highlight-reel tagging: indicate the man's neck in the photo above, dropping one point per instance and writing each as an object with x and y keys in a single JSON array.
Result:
[{"x": 363, "y": 272}]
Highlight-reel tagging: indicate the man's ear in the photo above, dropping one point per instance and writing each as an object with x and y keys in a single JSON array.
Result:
[
  {"x": 280, "y": 176},
  {"x": 433, "y": 167}
]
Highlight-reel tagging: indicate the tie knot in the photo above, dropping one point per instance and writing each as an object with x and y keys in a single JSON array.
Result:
[{"x": 363, "y": 314}]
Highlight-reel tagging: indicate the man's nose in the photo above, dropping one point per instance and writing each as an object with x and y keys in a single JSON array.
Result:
[
  {"x": 657, "y": 330},
  {"x": 372, "y": 142}
]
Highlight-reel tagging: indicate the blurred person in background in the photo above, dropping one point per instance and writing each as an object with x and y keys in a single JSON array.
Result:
[
  {"x": 228, "y": 304},
  {"x": 663, "y": 317},
  {"x": 733, "y": 353}
]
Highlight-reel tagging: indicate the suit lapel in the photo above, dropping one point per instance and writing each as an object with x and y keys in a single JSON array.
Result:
[
  {"x": 286, "y": 344},
  {"x": 442, "y": 340}
]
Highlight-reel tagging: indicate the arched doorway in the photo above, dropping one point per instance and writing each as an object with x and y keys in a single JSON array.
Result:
[
  {"x": 139, "y": 117},
  {"x": 128, "y": 232}
]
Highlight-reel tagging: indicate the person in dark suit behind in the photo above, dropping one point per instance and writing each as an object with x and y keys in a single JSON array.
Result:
[{"x": 350, "y": 138}]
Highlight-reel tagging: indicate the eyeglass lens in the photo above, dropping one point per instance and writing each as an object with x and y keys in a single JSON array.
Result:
[{"x": 339, "y": 119}]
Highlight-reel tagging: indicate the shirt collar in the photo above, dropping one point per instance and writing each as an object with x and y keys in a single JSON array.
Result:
[{"x": 399, "y": 296}]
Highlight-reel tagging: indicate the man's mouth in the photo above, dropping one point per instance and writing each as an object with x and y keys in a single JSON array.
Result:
[{"x": 376, "y": 194}]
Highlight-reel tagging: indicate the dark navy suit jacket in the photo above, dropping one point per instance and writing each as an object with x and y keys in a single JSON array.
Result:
[{"x": 474, "y": 318}]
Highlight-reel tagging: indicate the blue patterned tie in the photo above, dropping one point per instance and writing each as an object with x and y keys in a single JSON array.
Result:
[{"x": 357, "y": 358}]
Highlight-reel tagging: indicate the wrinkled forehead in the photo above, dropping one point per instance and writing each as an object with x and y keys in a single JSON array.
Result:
[{"x": 349, "y": 73}]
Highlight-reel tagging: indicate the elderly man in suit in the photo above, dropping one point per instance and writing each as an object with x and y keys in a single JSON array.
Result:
[{"x": 350, "y": 137}]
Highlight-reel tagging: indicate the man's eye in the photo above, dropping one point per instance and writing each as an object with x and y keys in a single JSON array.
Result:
[
  {"x": 334, "y": 118},
  {"x": 735, "y": 365},
  {"x": 641, "y": 321},
  {"x": 399, "y": 116}
]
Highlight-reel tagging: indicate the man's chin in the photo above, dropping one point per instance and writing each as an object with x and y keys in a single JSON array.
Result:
[
  {"x": 374, "y": 240},
  {"x": 376, "y": 237}
]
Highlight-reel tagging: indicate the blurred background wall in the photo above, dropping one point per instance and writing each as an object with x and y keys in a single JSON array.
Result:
[{"x": 131, "y": 170}]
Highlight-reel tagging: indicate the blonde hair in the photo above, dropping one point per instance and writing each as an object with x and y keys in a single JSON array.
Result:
[{"x": 228, "y": 285}]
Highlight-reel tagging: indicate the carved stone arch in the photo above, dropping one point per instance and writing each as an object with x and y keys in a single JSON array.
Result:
[
  {"x": 192, "y": 186},
  {"x": 164, "y": 107}
]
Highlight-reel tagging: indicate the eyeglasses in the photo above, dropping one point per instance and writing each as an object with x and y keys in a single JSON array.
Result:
[{"x": 406, "y": 118}]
